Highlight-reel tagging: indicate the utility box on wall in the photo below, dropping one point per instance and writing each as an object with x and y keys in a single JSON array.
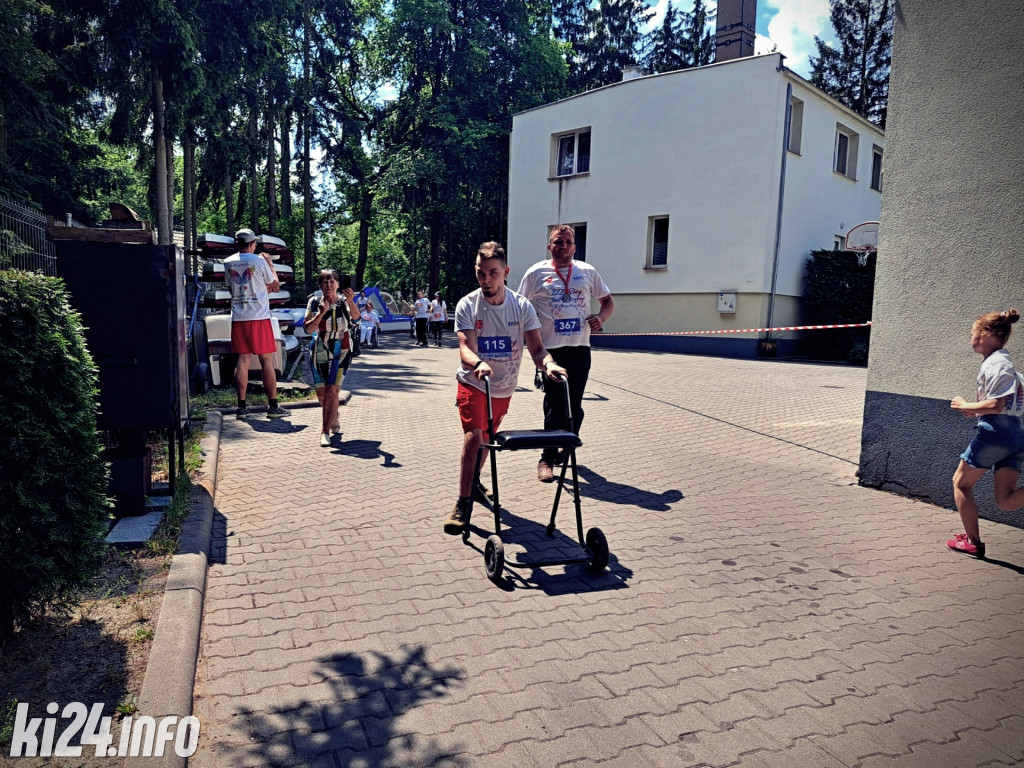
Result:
[{"x": 727, "y": 302}]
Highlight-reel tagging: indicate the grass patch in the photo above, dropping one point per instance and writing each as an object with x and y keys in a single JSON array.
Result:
[{"x": 224, "y": 397}]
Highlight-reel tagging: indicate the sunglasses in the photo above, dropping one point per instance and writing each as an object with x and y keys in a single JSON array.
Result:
[{"x": 561, "y": 242}]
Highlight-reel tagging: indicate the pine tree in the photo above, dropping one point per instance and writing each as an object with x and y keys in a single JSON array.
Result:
[
  {"x": 666, "y": 43},
  {"x": 682, "y": 41},
  {"x": 699, "y": 40},
  {"x": 857, "y": 72}
]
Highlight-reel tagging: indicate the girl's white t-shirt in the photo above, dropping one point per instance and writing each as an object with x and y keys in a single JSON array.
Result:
[{"x": 998, "y": 378}]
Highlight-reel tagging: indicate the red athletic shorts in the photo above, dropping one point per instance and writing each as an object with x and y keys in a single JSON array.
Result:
[
  {"x": 252, "y": 337},
  {"x": 472, "y": 404}
]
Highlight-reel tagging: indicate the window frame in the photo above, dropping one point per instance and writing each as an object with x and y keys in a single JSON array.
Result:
[
  {"x": 579, "y": 158},
  {"x": 652, "y": 232},
  {"x": 796, "y": 124},
  {"x": 877, "y": 153},
  {"x": 848, "y": 166}
]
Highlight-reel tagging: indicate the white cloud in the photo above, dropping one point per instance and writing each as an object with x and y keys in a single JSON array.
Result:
[{"x": 793, "y": 28}]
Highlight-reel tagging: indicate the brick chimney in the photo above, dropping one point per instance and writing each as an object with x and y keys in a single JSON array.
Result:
[{"x": 734, "y": 36}]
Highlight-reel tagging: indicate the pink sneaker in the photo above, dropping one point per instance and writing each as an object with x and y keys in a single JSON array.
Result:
[{"x": 961, "y": 543}]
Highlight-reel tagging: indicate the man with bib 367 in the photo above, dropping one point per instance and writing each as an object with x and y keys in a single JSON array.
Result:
[{"x": 561, "y": 290}]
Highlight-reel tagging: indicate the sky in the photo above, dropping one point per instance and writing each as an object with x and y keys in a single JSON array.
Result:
[{"x": 791, "y": 25}]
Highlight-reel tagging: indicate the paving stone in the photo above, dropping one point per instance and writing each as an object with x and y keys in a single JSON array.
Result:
[{"x": 747, "y": 618}]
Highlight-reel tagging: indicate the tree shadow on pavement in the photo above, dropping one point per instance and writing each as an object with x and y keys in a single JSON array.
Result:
[
  {"x": 368, "y": 379},
  {"x": 527, "y": 541},
  {"x": 595, "y": 486},
  {"x": 360, "y": 724}
]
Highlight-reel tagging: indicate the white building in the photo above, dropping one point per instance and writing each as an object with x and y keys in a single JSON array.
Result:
[{"x": 685, "y": 198}]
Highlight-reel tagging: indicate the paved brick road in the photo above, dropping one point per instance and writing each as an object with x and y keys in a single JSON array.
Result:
[{"x": 760, "y": 609}]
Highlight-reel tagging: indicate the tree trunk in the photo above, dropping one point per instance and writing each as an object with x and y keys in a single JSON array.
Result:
[
  {"x": 271, "y": 176},
  {"x": 434, "y": 277},
  {"x": 160, "y": 161},
  {"x": 169, "y": 150},
  {"x": 364, "y": 233},
  {"x": 286, "y": 162},
  {"x": 243, "y": 193},
  {"x": 229, "y": 203},
  {"x": 254, "y": 186},
  {"x": 307, "y": 181},
  {"x": 186, "y": 189}
]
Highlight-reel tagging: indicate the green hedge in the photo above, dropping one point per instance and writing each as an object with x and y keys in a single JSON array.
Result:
[
  {"x": 838, "y": 289},
  {"x": 53, "y": 507}
]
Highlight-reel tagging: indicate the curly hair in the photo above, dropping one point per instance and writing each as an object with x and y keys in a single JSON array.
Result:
[{"x": 998, "y": 324}]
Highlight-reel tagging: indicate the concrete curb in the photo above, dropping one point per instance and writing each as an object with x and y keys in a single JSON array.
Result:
[{"x": 170, "y": 673}]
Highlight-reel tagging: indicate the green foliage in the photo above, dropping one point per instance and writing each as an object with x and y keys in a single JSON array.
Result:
[
  {"x": 838, "y": 290},
  {"x": 857, "y": 72},
  {"x": 682, "y": 41},
  {"x": 53, "y": 510}
]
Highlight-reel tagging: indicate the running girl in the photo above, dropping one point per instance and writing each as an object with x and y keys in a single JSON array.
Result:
[{"x": 999, "y": 444}]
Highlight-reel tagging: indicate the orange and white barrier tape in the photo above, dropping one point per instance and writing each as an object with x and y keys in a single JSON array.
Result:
[{"x": 746, "y": 330}]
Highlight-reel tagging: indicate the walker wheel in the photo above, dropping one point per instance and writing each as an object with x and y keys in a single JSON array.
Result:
[
  {"x": 494, "y": 557},
  {"x": 598, "y": 546}
]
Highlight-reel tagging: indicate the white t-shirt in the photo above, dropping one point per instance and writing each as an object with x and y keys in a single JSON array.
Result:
[
  {"x": 500, "y": 337},
  {"x": 562, "y": 313},
  {"x": 370, "y": 318},
  {"x": 438, "y": 311},
  {"x": 247, "y": 276},
  {"x": 422, "y": 308},
  {"x": 998, "y": 378}
]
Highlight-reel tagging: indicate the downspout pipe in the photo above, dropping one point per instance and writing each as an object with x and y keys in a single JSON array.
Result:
[{"x": 778, "y": 215}]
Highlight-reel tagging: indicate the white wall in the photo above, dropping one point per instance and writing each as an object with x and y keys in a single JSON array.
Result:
[
  {"x": 949, "y": 245},
  {"x": 821, "y": 203},
  {"x": 684, "y": 144},
  {"x": 704, "y": 147}
]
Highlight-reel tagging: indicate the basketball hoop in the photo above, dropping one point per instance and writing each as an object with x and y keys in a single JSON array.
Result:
[{"x": 862, "y": 240}]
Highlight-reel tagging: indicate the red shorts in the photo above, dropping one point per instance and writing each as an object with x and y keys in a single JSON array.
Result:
[
  {"x": 472, "y": 404},
  {"x": 252, "y": 337}
]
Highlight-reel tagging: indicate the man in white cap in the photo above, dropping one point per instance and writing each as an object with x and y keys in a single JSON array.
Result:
[{"x": 250, "y": 278}]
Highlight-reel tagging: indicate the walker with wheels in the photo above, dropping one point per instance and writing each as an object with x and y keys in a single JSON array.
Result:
[{"x": 593, "y": 544}]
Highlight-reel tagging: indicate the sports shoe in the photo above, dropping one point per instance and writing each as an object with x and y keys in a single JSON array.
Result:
[
  {"x": 544, "y": 472},
  {"x": 962, "y": 543},
  {"x": 277, "y": 412},
  {"x": 325, "y": 441},
  {"x": 482, "y": 493},
  {"x": 243, "y": 413},
  {"x": 456, "y": 521},
  {"x": 335, "y": 428}
]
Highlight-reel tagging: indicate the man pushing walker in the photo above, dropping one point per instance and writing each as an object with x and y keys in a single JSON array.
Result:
[{"x": 493, "y": 323}]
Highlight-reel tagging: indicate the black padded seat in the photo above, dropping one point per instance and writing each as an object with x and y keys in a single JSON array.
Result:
[{"x": 519, "y": 439}]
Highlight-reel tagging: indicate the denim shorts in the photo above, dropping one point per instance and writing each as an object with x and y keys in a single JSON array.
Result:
[{"x": 996, "y": 450}]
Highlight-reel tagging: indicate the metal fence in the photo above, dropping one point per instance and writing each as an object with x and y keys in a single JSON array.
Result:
[{"x": 24, "y": 243}]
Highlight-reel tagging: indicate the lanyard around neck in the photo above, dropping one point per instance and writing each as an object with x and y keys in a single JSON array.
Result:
[{"x": 567, "y": 277}]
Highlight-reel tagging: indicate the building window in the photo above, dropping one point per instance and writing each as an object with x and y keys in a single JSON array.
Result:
[
  {"x": 572, "y": 153},
  {"x": 796, "y": 124},
  {"x": 876, "y": 168},
  {"x": 657, "y": 242},
  {"x": 581, "y": 242},
  {"x": 839, "y": 243},
  {"x": 845, "y": 161}
]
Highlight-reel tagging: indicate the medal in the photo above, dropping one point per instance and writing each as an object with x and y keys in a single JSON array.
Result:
[{"x": 566, "y": 296}]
